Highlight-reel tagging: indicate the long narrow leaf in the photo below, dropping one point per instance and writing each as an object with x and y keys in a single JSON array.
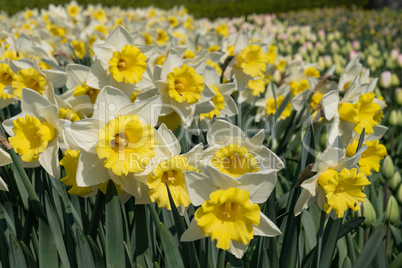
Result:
[
  {"x": 173, "y": 258},
  {"x": 372, "y": 246}
]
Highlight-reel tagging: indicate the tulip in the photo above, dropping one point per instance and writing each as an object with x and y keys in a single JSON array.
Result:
[
  {"x": 369, "y": 213},
  {"x": 386, "y": 79},
  {"x": 395, "y": 181},
  {"x": 392, "y": 211},
  {"x": 387, "y": 168}
]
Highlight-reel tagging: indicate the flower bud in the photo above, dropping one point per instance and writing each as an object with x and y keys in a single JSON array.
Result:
[
  {"x": 392, "y": 211},
  {"x": 395, "y": 181},
  {"x": 394, "y": 54},
  {"x": 328, "y": 60},
  {"x": 395, "y": 80},
  {"x": 399, "y": 116},
  {"x": 398, "y": 96},
  {"x": 277, "y": 76},
  {"x": 324, "y": 139},
  {"x": 399, "y": 60},
  {"x": 399, "y": 194},
  {"x": 385, "y": 79},
  {"x": 368, "y": 212},
  {"x": 393, "y": 118},
  {"x": 387, "y": 168}
]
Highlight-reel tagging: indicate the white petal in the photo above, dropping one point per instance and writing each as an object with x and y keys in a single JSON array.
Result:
[
  {"x": 259, "y": 185},
  {"x": 299, "y": 101},
  {"x": 3, "y": 185},
  {"x": 77, "y": 73},
  {"x": 56, "y": 77},
  {"x": 241, "y": 42},
  {"x": 90, "y": 170},
  {"x": 104, "y": 52},
  {"x": 109, "y": 101},
  {"x": 266, "y": 227},
  {"x": 49, "y": 159},
  {"x": 97, "y": 77},
  {"x": 211, "y": 75},
  {"x": 148, "y": 110},
  {"x": 5, "y": 158},
  {"x": 119, "y": 37},
  {"x": 199, "y": 187},
  {"x": 258, "y": 138},
  {"x": 303, "y": 202},
  {"x": 221, "y": 133},
  {"x": 172, "y": 60},
  {"x": 32, "y": 101},
  {"x": 85, "y": 133},
  {"x": 192, "y": 233},
  {"x": 207, "y": 94},
  {"x": 170, "y": 140},
  {"x": 328, "y": 158},
  {"x": 237, "y": 249},
  {"x": 379, "y": 131},
  {"x": 329, "y": 103},
  {"x": 241, "y": 78}
]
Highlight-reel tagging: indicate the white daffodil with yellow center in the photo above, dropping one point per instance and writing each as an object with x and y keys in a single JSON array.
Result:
[
  {"x": 68, "y": 114},
  {"x": 183, "y": 88},
  {"x": 234, "y": 161},
  {"x": 7, "y": 76},
  {"x": 223, "y": 102},
  {"x": 118, "y": 142},
  {"x": 185, "y": 84},
  {"x": 337, "y": 185},
  {"x": 229, "y": 212},
  {"x": 357, "y": 109},
  {"x": 31, "y": 137},
  {"x": 252, "y": 60},
  {"x": 170, "y": 172},
  {"x": 83, "y": 89},
  {"x": 35, "y": 132},
  {"x": 370, "y": 159},
  {"x": 28, "y": 78},
  {"x": 268, "y": 105},
  {"x": 128, "y": 65},
  {"x": 363, "y": 114},
  {"x": 121, "y": 61},
  {"x": 70, "y": 163},
  {"x": 5, "y": 159},
  {"x": 228, "y": 216},
  {"x": 127, "y": 144},
  {"x": 343, "y": 190}
]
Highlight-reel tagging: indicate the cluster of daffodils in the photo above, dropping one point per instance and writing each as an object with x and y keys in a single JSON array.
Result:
[{"x": 117, "y": 92}]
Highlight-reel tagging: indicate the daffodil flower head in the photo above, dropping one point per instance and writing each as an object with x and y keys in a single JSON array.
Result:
[
  {"x": 271, "y": 108},
  {"x": 343, "y": 190},
  {"x": 362, "y": 113},
  {"x": 31, "y": 137},
  {"x": 312, "y": 72},
  {"x": 371, "y": 157},
  {"x": 171, "y": 172},
  {"x": 234, "y": 161},
  {"x": 127, "y": 144},
  {"x": 6, "y": 78},
  {"x": 70, "y": 163},
  {"x": 185, "y": 84},
  {"x": 297, "y": 87},
  {"x": 28, "y": 78},
  {"x": 84, "y": 89},
  {"x": 228, "y": 216},
  {"x": 257, "y": 86},
  {"x": 252, "y": 60},
  {"x": 128, "y": 65},
  {"x": 219, "y": 103}
]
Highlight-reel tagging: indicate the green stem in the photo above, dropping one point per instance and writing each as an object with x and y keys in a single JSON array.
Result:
[
  {"x": 36, "y": 205},
  {"x": 320, "y": 234}
]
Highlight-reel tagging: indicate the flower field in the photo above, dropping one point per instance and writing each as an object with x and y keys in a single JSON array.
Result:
[{"x": 142, "y": 137}]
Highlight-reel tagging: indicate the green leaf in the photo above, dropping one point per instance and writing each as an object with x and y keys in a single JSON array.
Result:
[
  {"x": 397, "y": 263},
  {"x": 189, "y": 252},
  {"x": 172, "y": 254},
  {"x": 282, "y": 107},
  {"x": 221, "y": 259},
  {"x": 361, "y": 140},
  {"x": 84, "y": 254},
  {"x": 114, "y": 235},
  {"x": 55, "y": 228},
  {"x": 97, "y": 256},
  {"x": 372, "y": 245},
  {"x": 330, "y": 238},
  {"x": 47, "y": 250},
  {"x": 347, "y": 263},
  {"x": 350, "y": 226},
  {"x": 396, "y": 233},
  {"x": 4, "y": 251},
  {"x": 28, "y": 256},
  {"x": 141, "y": 230},
  {"x": 309, "y": 229},
  {"x": 96, "y": 214},
  {"x": 17, "y": 258}
]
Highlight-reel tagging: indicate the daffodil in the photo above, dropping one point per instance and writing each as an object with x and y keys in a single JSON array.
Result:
[
  {"x": 336, "y": 186},
  {"x": 5, "y": 159},
  {"x": 35, "y": 132},
  {"x": 118, "y": 142},
  {"x": 6, "y": 78},
  {"x": 269, "y": 104},
  {"x": 229, "y": 212}
]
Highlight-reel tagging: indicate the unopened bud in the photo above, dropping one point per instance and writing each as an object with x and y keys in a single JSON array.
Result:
[
  {"x": 392, "y": 211},
  {"x": 385, "y": 79},
  {"x": 395, "y": 80},
  {"x": 368, "y": 212},
  {"x": 395, "y": 181},
  {"x": 387, "y": 168},
  {"x": 324, "y": 139},
  {"x": 398, "y": 194},
  {"x": 398, "y": 96},
  {"x": 393, "y": 118},
  {"x": 399, "y": 115}
]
